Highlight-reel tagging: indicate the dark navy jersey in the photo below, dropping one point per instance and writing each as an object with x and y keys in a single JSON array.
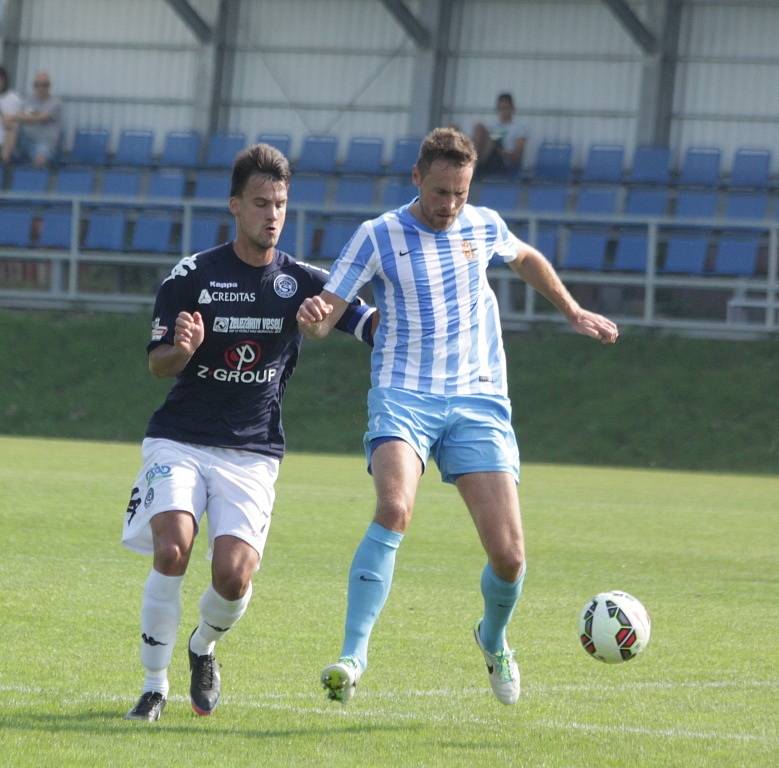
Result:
[{"x": 229, "y": 394}]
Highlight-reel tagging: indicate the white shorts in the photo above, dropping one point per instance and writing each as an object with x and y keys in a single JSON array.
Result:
[{"x": 234, "y": 487}]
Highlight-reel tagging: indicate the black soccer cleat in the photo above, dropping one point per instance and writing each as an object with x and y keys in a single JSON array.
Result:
[
  {"x": 205, "y": 684},
  {"x": 149, "y": 707}
]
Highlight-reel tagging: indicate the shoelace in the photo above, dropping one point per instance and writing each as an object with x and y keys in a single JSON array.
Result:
[
  {"x": 503, "y": 661},
  {"x": 205, "y": 672},
  {"x": 148, "y": 701}
]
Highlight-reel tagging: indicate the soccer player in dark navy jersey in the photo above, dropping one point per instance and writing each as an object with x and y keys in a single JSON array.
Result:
[{"x": 224, "y": 326}]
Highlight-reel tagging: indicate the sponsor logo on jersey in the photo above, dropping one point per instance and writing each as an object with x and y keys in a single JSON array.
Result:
[
  {"x": 285, "y": 286},
  {"x": 241, "y": 360},
  {"x": 183, "y": 268},
  {"x": 248, "y": 324},
  {"x": 207, "y": 297},
  {"x": 157, "y": 471},
  {"x": 158, "y": 331}
]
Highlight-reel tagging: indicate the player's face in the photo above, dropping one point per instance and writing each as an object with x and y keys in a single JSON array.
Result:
[
  {"x": 505, "y": 110},
  {"x": 443, "y": 191},
  {"x": 260, "y": 211}
]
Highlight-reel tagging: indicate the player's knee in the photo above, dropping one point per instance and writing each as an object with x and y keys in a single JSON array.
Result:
[
  {"x": 171, "y": 558},
  {"x": 509, "y": 564},
  {"x": 231, "y": 584},
  {"x": 394, "y": 514}
]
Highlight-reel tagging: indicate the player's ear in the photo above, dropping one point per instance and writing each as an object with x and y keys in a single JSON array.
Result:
[
  {"x": 233, "y": 204},
  {"x": 416, "y": 176}
]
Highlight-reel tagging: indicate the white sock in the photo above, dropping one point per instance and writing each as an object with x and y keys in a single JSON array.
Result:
[
  {"x": 217, "y": 615},
  {"x": 160, "y": 613}
]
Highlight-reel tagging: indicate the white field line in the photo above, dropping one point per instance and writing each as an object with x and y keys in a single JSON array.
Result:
[{"x": 279, "y": 702}]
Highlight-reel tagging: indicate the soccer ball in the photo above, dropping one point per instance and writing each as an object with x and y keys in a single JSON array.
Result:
[{"x": 614, "y": 627}]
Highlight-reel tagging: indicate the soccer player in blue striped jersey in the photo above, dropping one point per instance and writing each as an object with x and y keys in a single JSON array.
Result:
[{"x": 438, "y": 387}]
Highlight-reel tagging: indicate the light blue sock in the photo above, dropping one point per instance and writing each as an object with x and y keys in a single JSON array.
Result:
[
  {"x": 370, "y": 579},
  {"x": 500, "y": 599}
]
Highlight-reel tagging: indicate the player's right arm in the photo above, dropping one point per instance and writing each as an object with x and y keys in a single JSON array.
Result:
[
  {"x": 317, "y": 315},
  {"x": 170, "y": 360}
]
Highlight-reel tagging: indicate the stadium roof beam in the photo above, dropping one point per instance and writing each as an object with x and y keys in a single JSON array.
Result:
[
  {"x": 413, "y": 27},
  {"x": 193, "y": 20},
  {"x": 10, "y": 28},
  {"x": 641, "y": 34}
]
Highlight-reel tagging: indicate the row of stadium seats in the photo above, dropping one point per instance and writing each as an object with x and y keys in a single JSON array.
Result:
[
  {"x": 605, "y": 163},
  {"x": 583, "y": 249}
]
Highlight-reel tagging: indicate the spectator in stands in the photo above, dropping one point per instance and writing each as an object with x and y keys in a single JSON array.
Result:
[
  {"x": 35, "y": 130},
  {"x": 499, "y": 143},
  {"x": 10, "y": 105}
]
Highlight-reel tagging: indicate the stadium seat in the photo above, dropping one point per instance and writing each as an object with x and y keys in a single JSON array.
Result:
[
  {"x": 152, "y": 233},
  {"x": 364, "y": 155},
  {"x": 55, "y": 228},
  {"x": 546, "y": 240},
  {"x": 318, "y": 154},
  {"x": 397, "y": 193},
  {"x": 122, "y": 183},
  {"x": 355, "y": 191},
  {"x": 204, "y": 232},
  {"x": 288, "y": 237},
  {"x": 604, "y": 163},
  {"x": 29, "y": 180},
  {"x": 75, "y": 181},
  {"x": 647, "y": 202},
  {"x": 105, "y": 231},
  {"x": 548, "y": 199},
  {"x": 223, "y": 147},
  {"x": 90, "y": 146},
  {"x": 586, "y": 250},
  {"x": 336, "y": 235},
  {"x": 134, "y": 148},
  {"x": 308, "y": 190},
  {"x": 500, "y": 197},
  {"x": 751, "y": 168},
  {"x": 181, "y": 148},
  {"x": 597, "y": 200},
  {"x": 743, "y": 205},
  {"x": 694, "y": 204},
  {"x": 211, "y": 185},
  {"x": 282, "y": 141},
  {"x": 631, "y": 253},
  {"x": 404, "y": 155},
  {"x": 651, "y": 165},
  {"x": 701, "y": 167},
  {"x": 686, "y": 254},
  {"x": 167, "y": 183},
  {"x": 553, "y": 162},
  {"x": 736, "y": 256},
  {"x": 16, "y": 227}
]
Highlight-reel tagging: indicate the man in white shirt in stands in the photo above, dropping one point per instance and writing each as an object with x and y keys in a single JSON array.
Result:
[{"x": 500, "y": 143}]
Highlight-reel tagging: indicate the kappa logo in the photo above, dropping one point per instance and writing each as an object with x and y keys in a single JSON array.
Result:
[
  {"x": 183, "y": 268},
  {"x": 285, "y": 286},
  {"x": 149, "y": 640}
]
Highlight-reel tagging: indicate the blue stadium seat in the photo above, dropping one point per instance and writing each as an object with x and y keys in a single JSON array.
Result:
[
  {"x": 122, "y": 183},
  {"x": 651, "y": 165},
  {"x": 546, "y": 241},
  {"x": 355, "y": 191},
  {"x": 16, "y": 227},
  {"x": 29, "y": 180},
  {"x": 210, "y": 185},
  {"x": 152, "y": 233},
  {"x": 75, "y": 181},
  {"x": 336, "y": 235},
  {"x": 604, "y": 163},
  {"x": 736, "y": 256},
  {"x": 547, "y": 199},
  {"x": 364, "y": 155},
  {"x": 630, "y": 255},
  {"x": 204, "y": 232},
  {"x": 751, "y": 168},
  {"x": 404, "y": 155},
  {"x": 310, "y": 190},
  {"x": 90, "y": 146},
  {"x": 597, "y": 200},
  {"x": 694, "y": 204},
  {"x": 318, "y": 154},
  {"x": 586, "y": 250},
  {"x": 288, "y": 239},
  {"x": 553, "y": 162},
  {"x": 282, "y": 141},
  {"x": 743, "y": 205},
  {"x": 105, "y": 231},
  {"x": 134, "y": 148},
  {"x": 55, "y": 228},
  {"x": 686, "y": 254},
  {"x": 701, "y": 167},
  {"x": 167, "y": 183},
  {"x": 397, "y": 193},
  {"x": 181, "y": 148},
  {"x": 647, "y": 202},
  {"x": 501, "y": 197},
  {"x": 223, "y": 147}
]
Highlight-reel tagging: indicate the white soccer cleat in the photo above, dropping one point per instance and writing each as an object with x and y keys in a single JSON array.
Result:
[
  {"x": 502, "y": 669},
  {"x": 340, "y": 679}
]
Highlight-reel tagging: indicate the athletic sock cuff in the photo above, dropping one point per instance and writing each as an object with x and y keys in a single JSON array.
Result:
[{"x": 384, "y": 536}]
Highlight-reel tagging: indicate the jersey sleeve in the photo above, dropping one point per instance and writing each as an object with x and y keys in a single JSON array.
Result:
[
  {"x": 173, "y": 296},
  {"x": 355, "y": 266},
  {"x": 507, "y": 244}
]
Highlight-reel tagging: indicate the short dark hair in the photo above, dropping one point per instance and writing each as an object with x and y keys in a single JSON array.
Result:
[
  {"x": 506, "y": 96},
  {"x": 447, "y": 144},
  {"x": 258, "y": 159}
]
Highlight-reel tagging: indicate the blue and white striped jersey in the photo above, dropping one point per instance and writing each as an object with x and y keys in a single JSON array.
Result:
[{"x": 439, "y": 331}]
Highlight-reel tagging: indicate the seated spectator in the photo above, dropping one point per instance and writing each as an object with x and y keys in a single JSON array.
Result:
[
  {"x": 499, "y": 143},
  {"x": 36, "y": 128},
  {"x": 10, "y": 105}
]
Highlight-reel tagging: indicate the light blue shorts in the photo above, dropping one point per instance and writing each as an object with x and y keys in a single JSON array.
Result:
[{"x": 464, "y": 433}]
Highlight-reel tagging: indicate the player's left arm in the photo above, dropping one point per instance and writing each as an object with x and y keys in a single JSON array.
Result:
[{"x": 535, "y": 270}]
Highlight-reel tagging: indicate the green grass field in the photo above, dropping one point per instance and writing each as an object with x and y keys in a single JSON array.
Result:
[{"x": 699, "y": 549}]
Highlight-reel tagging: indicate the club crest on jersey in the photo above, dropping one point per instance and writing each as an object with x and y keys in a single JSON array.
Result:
[
  {"x": 469, "y": 250},
  {"x": 285, "y": 286}
]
